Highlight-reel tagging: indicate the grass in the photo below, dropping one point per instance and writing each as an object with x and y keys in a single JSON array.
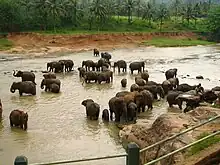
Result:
[
  {"x": 204, "y": 144},
  {"x": 5, "y": 44},
  {"x": 171, "y": 42}
]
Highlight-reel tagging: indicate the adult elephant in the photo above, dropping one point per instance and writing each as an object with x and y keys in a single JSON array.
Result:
[
  {"x": 82, "y": 71},
  {"x": 117, "y": 106},
  {"x": 136, "y": 66},
  {"x": 48, "y": 82},
  {"x": 54, "y": 88},
  {"x": 167, "y": 86},
  {"x": 27, "y": 87},
  {"x": 56, "y": 66},
  {"x": 120, "y": 64},
  {"x": 49, "y": 76},
  {"x": 106, "y": 56},
  {"x": 186, "y": 87},
  {"x": 171, "y": 73},
  {"x": 88, "y": 64},
  {"x": 92, "y": 109},
  {"x": 1, "y": 109},
  {"x": 172, "y": 99},
  {"x": 18, "y": 118},
  {"x": 174, "y": 82},
  {"x": 144, "y": 98},
  {"x": 50, "y": 66},
  {"x": 68, "y": 64},
  {"x": 122, "y": 93},
  {"x": 96, "y": 52},
  {"x": 105, "y": 76},
  {"x": 25, "y": 76},
  {"x": 154, "y": 89},
  {"x": 90, "y": 76},
  {"x": 145, "y": 75}
]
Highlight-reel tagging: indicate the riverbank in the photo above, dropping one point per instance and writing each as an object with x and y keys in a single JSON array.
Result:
[{"x": 40, "y": 44}]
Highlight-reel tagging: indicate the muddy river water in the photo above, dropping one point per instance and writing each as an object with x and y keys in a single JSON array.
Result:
[{"x": 57, "y": 126}]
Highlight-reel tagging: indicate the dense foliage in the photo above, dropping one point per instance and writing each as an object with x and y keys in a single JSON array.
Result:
[{"x": 111, "y": 15}]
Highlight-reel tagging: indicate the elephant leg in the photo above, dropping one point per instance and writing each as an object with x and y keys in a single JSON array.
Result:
[
  {"x": 143, "y": 108},
  {"x": 111, "y": 113},
  {"x": 11, "y": 123},
  {"x": 170, "y": 105},
  {"x": 20, "y": 93},
  {"x": 180, "y": 104},
  {"x": 118, "y": 69},
  {"x": 131, "y": 71},
  {"x": 117, "y": 117}
]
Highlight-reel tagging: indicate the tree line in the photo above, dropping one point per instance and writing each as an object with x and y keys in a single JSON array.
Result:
[{"x": 28, "y": 15}]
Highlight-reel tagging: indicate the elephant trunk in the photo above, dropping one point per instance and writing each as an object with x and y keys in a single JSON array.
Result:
[
  {"x": 12, "y": 90},
  {"x": 42, "y": 85},
  {"x": 14, "y": 73}
]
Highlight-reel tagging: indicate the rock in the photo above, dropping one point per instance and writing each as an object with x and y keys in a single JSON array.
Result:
[
  {"x": 199, "y": 77},
  {"x": 163, "y": 127}
]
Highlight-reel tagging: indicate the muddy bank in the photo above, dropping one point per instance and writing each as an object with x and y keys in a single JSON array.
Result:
[
  {"x": 35, "y": 44},
  {"x": 165, "y": 126}
]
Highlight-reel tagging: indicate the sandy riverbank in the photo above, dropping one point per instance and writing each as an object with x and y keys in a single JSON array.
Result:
[{"x": 36, "y": 44}]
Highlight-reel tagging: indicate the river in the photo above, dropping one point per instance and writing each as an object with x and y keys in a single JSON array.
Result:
[{"x": 57, "y": 126}]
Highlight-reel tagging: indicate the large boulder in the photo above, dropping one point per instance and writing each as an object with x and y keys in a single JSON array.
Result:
[{"x": 165, "y": 126}]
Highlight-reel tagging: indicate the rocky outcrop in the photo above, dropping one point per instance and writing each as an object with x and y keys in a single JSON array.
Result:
[{"x": 165, "y": 126}]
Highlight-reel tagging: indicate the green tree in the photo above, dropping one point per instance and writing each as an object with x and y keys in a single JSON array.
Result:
[
  {"x": 148, "y": 12},
  {"x": 162, "y": 14}
]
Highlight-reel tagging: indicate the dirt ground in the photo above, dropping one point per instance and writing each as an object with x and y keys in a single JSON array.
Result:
[{"x": 36, "y": 44}]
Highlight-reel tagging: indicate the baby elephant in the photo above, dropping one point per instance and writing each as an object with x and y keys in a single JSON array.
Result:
[
  {"x": 124, "y": 82},
  {"x": 92, "y": 109},
  {"x": 105, "y": 115},
  {"x": 54, "y": 88}
]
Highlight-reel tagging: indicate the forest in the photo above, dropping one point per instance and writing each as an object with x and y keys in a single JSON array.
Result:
[{"x": 57, "y": 16}]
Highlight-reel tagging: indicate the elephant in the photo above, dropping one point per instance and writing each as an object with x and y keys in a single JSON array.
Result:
[
  {"x": 209, "y": 96},
  {"x": 144, "y": 98},
  {"x": 54, "y": 88},
  {"x": 92, "y": 109},
  {"x": 49, "y": 76},
  {"x": 90, "y": 76},
  {"x": 50, "y": 66},
  {"x": 105, "y": 115},
  {"x": 106, "y": 56},
  {"x": 171, "y": 73},
  {"x": 124, "y": 82},
  {"x": 145, "y": 75},
  {"x": 56, "y": 66},
  {"x": 47, "y": 83},
  {"x": 27, "y": 87},
  {"x": 167, "y": 86},
  {"x": 104, "y": 68},
  {"x": 120, "y": 64},
  {"x": 151, "y": 83},
  {"x": 186, "y": 87},
  {"x": 18, "y": 118},
  {"x": 134, "y": 87},
  {"x": 174, "y": 82},
  {"x": 217, "y": 88},
  {"x": 140, "y": 81},
  {"x": 117, "y": 106},
  {"x": 132, "y": 111},
  {"x": 82, "y": 71},
  {"x": 102, "y": 62},
  {"x": 1, "y": 109},
  {"x": 25, "y": 76},
  {"x": 122, "y": 93},
  {"x": 172, "y": 98},
  {"x": 68, "y": 64},
  {"x": 136, "y": 66},
  {"x": 88, "y": 64},
  {"x": 154, "y": 89},
  {"x": 96, "y": 52}
]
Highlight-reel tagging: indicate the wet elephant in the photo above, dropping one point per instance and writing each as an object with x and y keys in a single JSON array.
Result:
[
  {"x": 27, "y": 87},
  {"x": 186, "y": 87},
  {"x": 89, "y": 64},
  {"x": 136, "y": 66},
  {"x": 92, "y": 109},
  {"x": 151, "y": 83},
  {"x": 95, "y": 52},
  {"x": 68, "y": 64},
  {"x": 154, "y": 89},
  {"x": 145, "y": 75},
  {"x": 122, "y": 93},
  {"x": 55, "y": 66},
  {"x": 209, "y": 96},
  {"x": 167, "y": 86},
  {"x": 48, "y": 82},
  {"x": 174, "y": 82},
  {"x": 171, "y": 73},
  {"x": 134, "y": 87},
  {"x": 90, "y": 76},
  {"x": 82, "y": 71},
  {"x": 54, "y": 88},
  {"x": 25, "y": 76},
  {"x": 49, "y": 76},
  {"x": 105, "y": 115},
  {"x": 120, "y": 64},
  {"x": 140, "y": 81},
  {"x": 132, "y": 111},
  {"x": 50, "y": 66},
  {"x": 1, "y": 110},
  {"x": 106, "y": 56},
  {"x": 173, "y": 100},
  {"x": 124, "y": 82},
  {"x": 118, "y": 106},
  {"x": 144, "y": 98},
  {"x": 105, "y": 76},
  {"x": 18, "y": 118}
]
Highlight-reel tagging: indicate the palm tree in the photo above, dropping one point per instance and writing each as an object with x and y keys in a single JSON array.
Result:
[
  {"x": 176, "y": 6},
  {"x": 162, "y": 14},
  {"x": 40, "y": 6},
  {"x": 129, "y": 5},
  {"x": 148, "y": 12}
]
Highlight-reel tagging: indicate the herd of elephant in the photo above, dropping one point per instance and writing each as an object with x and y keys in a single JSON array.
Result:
[{"x": 125, "y": 105}]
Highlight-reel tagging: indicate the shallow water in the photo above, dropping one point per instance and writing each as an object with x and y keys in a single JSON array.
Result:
[{"x": 57, "y": 126}]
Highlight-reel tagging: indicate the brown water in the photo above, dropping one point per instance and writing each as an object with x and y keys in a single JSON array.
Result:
[{"x": 58, "y": 128}]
